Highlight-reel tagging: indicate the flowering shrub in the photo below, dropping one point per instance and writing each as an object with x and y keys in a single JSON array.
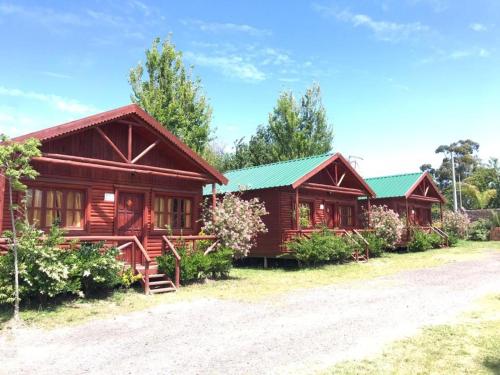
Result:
[
  {"x": 235, "y": 222},
  {"x": 386, "y": 224},
  {"x": 455, "y": 223}
]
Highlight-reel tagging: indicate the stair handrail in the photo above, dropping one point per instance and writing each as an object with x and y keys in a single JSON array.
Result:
[
  {"x": 442, "y": 233},
  {"x": 367, "y": 244},
  {"x": 177, "y": 257}
]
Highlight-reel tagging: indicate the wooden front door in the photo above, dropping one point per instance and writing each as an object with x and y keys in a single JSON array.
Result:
[
  {"x": 330, "y": 215},
  {"x": 130, "y": 214}
]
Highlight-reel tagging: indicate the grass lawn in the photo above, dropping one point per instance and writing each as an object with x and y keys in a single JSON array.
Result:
[
  {"x": 250, "y": 284},
  {"x": 471, "y": 345}
]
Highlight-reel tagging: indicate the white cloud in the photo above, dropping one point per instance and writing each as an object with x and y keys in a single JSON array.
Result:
[
  {"x": 437, "y": 6},
  {"x": 456, "y": 55},
  {"x": 58, "y": 102},
  {"x": 56, "y": 75},
  {"x": 217, "y": 27},
  {"x": 477, "y": 27},
  {"x": 230, "y": 65},
  {"x": 383, "y": 30}
]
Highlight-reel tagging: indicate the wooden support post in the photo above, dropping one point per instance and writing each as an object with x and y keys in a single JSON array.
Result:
[
  {"x": 440, "y": 213},
  {"x": 129, "y": 154},
  {"x": 145, "y": 151},
  {"x": 214, "y": 200},
  {"x": 407, "y": 221},
  {"x": 110, "y": 142},
  {"x": 369, "y": 208},
  {"x": 297, "y": 210},
  {"x": 177, "y": 273},
  {"x": 265, "y": 262}
]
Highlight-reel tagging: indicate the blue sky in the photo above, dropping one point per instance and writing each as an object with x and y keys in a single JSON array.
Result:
[{"x": 399, "y": 77}]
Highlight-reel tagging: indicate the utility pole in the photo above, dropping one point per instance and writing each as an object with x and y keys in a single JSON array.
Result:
[{"x": 455, "y": 208}]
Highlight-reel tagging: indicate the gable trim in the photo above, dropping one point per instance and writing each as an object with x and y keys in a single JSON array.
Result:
[{"x": 327, "y": 162}]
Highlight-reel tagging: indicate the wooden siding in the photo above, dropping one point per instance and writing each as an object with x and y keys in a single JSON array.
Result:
[
  {"x": 100, "y": 214},
  {"x": 279, "y": 203}
]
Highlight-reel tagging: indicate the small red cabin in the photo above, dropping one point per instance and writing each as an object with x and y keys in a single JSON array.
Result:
[
  {"x": 325, "y": 187},
  {"x": 116, "y": 176},
  {"x": 411, "y": 195}
]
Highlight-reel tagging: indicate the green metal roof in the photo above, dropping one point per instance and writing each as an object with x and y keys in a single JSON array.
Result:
[
  {"x": 393, "y": 186},
  {"x": 266, "y": 176}
]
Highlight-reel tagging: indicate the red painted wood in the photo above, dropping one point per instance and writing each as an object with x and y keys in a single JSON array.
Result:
[{"x": 130, "y": 214}]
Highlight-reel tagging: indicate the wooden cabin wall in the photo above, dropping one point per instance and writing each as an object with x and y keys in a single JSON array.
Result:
[
  {"x": 398, "y": 204},
  {"x": 100, "y": 215},
  {"x": 279, "y": 203}
]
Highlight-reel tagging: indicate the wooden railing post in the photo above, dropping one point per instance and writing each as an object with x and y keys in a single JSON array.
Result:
[
  {"x": 177, "y": 273},
  {"x": 146, "y": 277}
]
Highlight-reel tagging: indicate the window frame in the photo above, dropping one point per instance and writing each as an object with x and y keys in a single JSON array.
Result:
[
  {"x": 306, "y": 202},
  {"x": 169, "y": 215},
  {"x": 64, "y": 194}
]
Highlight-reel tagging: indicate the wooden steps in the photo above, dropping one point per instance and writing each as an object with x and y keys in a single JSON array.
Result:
[{"x": 158, "y": 282}]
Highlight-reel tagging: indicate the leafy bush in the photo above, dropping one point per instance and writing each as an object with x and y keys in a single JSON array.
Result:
[
  {"x": 92, "y": 268},
  {"x": 376, "y": 245},
  {"x": 127, "y": 278},
  {"x": 420, "y": 241},
  {"x": 456, "y": 223},
  {"x": 435, "y": 240},
  {"x": 237, "y": 222},
  {"x": 479, "y": 230},
  {"x": 42, "y": 270},
  {"x": 387, "y": 225},
  {"x": 196, "y": 266},
  {"x": 220, "y": 263},
  {"x": 321, "y": 247},
  {"x": 452, "y": 239}
]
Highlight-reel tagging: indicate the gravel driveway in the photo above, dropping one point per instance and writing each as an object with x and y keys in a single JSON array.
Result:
[{"x": 300, "y": 332}]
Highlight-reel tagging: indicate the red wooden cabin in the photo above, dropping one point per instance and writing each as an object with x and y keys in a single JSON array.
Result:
[
  {"x": 117, "y": 176},
  {"x": 411, "y": 195},
  {"x": 326, "y": 186}
]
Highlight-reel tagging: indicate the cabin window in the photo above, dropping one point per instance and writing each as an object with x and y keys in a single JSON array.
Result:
[
  {"x": 306, "y": 214},
  {"x": 173, "y": 212},
  {"x": 346, "y": 216},
  {"x": 49, "y": 206}
]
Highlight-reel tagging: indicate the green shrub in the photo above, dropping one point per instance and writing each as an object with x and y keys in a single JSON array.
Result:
[
  {"x": 220, "y": 263},
  {"x": 420, "y": 241},
  {"x": 42, "y": 270},
  {"x": 195, "y": 266},
  {"x": 127, "y": 278},
  {"x": 92, "y": 268},
  {"x": 376, "y": 244},
  {"x": 321, "y": 247},
  {"x": 479, "y": 230},
  {"x": 435, "y": 240},
  {"x": 452, "y": 238}
]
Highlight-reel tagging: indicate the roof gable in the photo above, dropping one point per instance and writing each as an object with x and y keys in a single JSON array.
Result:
[
  {"x": 400, "y": 185},
  {"x": 285, "y": 173},
  {"x": 145, "y": 119}
]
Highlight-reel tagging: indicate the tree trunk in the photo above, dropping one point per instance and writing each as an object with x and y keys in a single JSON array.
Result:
[{"x": 14, "y": 250}]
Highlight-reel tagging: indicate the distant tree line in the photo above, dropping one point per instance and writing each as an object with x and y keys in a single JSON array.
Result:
[{"x": 478, "y": 182}]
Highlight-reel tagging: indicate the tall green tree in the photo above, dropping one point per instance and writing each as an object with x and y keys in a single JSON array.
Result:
[
  {"x": 165, "y": 88},
  {"x": 466, "y": 160},
  {"x": 478, "y": 198},
  {"x": 15, "y": 165},
  {"x": 295, "y": 129}
]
